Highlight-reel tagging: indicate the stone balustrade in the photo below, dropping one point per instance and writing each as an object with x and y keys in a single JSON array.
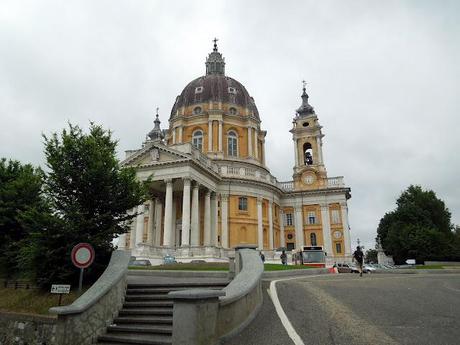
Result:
[
  {"x": 206, "y": 316},
  {"x": 86, "y": 318}
]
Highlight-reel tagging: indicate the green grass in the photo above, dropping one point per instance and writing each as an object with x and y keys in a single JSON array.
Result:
[
  {"x": 209, "y": 266},
  {"x": 32, "y": 301},
  {"x": 279, "y": 267},
  {"x": 430, "y": 267},
  {"x": 212, "y": 266}
]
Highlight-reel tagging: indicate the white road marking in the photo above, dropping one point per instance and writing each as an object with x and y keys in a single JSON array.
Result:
[{"x": 281, "y": 314}]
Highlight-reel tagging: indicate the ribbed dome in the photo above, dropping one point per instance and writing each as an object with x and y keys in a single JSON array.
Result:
[{"x": 216, "y": 88}]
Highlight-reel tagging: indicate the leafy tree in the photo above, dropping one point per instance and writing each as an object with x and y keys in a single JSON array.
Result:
[
  {"x": 371, "y": 256},
  {"x": 20, "y": 192},
  {"x": 88, "y": 196},
  {"x": 419, "y": 228}
]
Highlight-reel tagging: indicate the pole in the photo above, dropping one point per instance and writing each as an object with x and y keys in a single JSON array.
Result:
[
  {"x": 80, "y": 283},
  {"x": 60, "y": 299}
]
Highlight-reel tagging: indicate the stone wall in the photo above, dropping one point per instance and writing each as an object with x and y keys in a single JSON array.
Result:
[{"x": 24, "y": 329}]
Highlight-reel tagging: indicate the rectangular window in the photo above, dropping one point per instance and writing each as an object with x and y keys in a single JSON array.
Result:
[
  {"x": 338, "y": 248},
  {"x": 335, "y": 215},
  {"x": 288, "y": 219},
  {"x": 311, "y": 217},
  {"x": 243, "y": 204}
]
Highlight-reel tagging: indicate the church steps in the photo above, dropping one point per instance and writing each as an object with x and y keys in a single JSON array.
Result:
[{"x": 135, "y": 328}]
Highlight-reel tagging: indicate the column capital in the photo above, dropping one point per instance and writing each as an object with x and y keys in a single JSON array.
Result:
[
  {"x": 281, "y": 211},
  {"x": 196, "y": 184},
  {"x": 343, "y": 204},
  {"x": 224, "y": 196},
  {"x": 298, "y": 208},
  {"x": 168, "y": 180},
  {"x": 207, "y": 193},
  {"x": 259, "y": 199},
  {"x": 324, "y": 205},
  {"x": 187, "y": 181}
]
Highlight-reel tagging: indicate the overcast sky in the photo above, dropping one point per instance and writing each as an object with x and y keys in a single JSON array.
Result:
[{"x": 383, "y": 76}]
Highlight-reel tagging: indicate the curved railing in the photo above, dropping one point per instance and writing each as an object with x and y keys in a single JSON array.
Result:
[
  {"x": 86, "y": 318},
  {"x": 203, "y": 316}
]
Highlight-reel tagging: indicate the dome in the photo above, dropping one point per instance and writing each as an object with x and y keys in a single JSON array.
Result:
[{"x": 215, "y": 86}]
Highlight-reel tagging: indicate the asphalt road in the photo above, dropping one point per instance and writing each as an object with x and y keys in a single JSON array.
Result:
[{"x": 375, "y": 309}]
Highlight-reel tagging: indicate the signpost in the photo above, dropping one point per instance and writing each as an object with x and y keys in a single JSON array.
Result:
[
  {"x": 60, "y": 289},
  {"x": 82, "y": 257}
]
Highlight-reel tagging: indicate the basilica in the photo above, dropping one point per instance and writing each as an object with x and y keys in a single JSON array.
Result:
[{"x": 210, "y": 189}]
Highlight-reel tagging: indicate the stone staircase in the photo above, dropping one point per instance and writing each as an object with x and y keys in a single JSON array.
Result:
[{"x": 146, "y": 316}]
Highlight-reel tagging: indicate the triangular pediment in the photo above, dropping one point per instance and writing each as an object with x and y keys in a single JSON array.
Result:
[{"x": 153, "y": 154}]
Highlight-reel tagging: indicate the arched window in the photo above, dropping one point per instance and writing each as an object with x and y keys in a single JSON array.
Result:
[
  {"x": 232, "y": 111},
  {"x": 197, "y": 139},
  {"x": 308, "y": 154},
  {"x": 197, "y": 110},
  {"x": 232, "y": 142},
  {"x": 313, "y": 239}
]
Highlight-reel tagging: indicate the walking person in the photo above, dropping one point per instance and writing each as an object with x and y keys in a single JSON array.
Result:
[
  {"x": 358, "y": 256},
  {"x": 283, "y": 258},
  {"x": 262, "y": 256}
]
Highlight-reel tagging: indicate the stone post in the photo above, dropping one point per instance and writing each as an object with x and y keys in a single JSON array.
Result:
[
  {"x": 256, "y": 144},
  {"x": 151, "y": 223},
  {"x": 195, "y": 316},
  {"x": 220, "y": 136},
  {"x": 209, "y": 136},
  {"x": 214, "y": 219},
  {"x": 249, "y": 141},
  {"x": 186, "y": 214},
  {"x": 346, "y": 229},
  {"x": 158, "y": 215}
]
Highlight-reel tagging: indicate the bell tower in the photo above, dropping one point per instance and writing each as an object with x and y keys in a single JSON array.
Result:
[{"x": 309, "y": 169}]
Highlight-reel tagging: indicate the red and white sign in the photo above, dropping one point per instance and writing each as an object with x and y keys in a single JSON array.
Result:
[{"x": 82, "y": 255}]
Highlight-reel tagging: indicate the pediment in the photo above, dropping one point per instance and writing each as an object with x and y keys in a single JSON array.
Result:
[{"x": 153, "y": 154}]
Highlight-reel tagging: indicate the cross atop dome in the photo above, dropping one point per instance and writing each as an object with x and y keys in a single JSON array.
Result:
[{"x": 215, "y": 63}]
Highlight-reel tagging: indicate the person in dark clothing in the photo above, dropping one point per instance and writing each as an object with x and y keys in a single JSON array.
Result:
[
  {"x": 283, "y": 258},
  {"x": 358, "y": 256},
  {"x": 262, "y": 256}
]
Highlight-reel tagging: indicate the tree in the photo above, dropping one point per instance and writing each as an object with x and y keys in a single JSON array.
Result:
[
  {"x": 419, "y": 228},
  {"x": 88, "y": 195},
  {"x": 20, "y": 192},
  {"x": 371, "y": 256}
]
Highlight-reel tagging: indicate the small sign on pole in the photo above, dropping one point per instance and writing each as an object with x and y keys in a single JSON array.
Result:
[
  {"x": 82, "y": 257},
  {"x": 60, "y": 289}
]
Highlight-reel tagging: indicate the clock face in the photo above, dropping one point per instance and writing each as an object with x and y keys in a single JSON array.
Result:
[
  {"x": 308, "y": 178},
  {"x": 337, "y": 234}
]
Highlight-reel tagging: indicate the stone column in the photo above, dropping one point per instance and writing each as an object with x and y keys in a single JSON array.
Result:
[
  {"x": 132, "y": 229},
  {"x": 346, "y": 228},
  {"x": 151, "y": 223},
  {"x": 262, "y": 153},
  {"x": 256, "y": 144},
  {"x": 186, "y": 213},
  {"x": 140, "y": 224},
  {"x": 214, "y": 219},
  {"x": 282, "y": 236},
  {"x": 260, "y": 229},
  {"x": 270, "y": 224},
  {"x": 220, "y": 136},
  {"x": 224, "y": 215},
  {"x": 121, "y": 242},
  {"x": 209, "y": 136},
  {"x": 180, "y": 134},
  {"x": 326, "y": 229},
  {"x": 296, "y": 153},
  {"x": 167, "y": 232},
  {"x": 174, "y": 135},
  {"x": 174, "y": 236},
  {"x": 158, "y": 216},
  {"x": 298, "y": 220},
  {"x": 319, "y": 150},
  {"x": 195, "y": 226},
  {"x": 249, "y": 141},
  {"x": 207, "y": 219}
]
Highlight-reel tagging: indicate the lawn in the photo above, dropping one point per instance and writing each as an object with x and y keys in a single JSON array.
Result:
[
  {"x": 212, "y": 266},
  {"x": 32, "y": 301}
]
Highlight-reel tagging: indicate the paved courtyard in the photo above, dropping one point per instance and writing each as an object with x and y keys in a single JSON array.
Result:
[{"x": 375, "y": 309}]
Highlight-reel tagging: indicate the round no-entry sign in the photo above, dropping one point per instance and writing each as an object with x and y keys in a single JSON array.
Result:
[{"x": 82, "y": 255}]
